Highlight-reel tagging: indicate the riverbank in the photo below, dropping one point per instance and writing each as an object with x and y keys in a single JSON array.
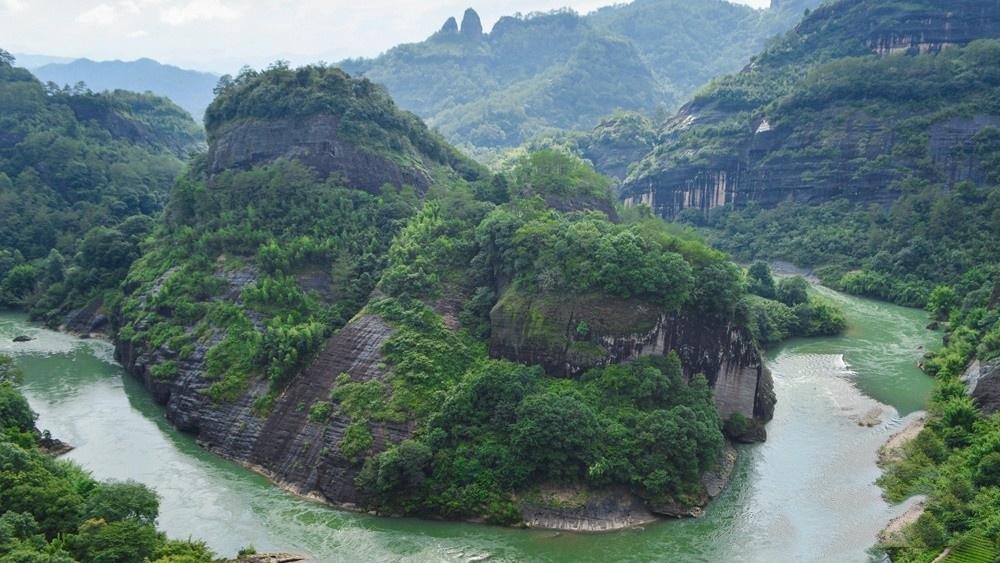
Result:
[{"x": 775, "y": 507}]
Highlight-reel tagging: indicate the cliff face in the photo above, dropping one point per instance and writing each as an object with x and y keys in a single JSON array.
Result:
[
  {"x": 983, "y": 382},
  {"x": 297, "y": 452},
  {"x": 929, "y": 30},
  {"x": 569, "y": 336},
  {"x": 317, "y": 142},
  {"x": 773, "y": 133},
  {"x": 774, "y": 164}
]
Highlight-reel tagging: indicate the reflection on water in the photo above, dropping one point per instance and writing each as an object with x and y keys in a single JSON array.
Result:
[{"x": 808, "y": 494}]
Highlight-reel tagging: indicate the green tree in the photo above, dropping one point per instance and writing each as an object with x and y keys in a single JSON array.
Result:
[
  {"x": 114, "y": 501},
  {"x": 556, "y": 434},
  {"x": 759, "y": 280},
  {"x": 793, "y": 291}
]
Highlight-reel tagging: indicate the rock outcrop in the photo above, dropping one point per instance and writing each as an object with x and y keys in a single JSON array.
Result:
[
  {"x": 317, "y": 142},
  {"x": 569, "y": 336},
  {"x": 583, "y": 510},
  {"x": 472, "y": 26},
  {"x": 295, "y": 451},
  {"x": 89, "y": 319},
  {"x": 983, "y": 382}
]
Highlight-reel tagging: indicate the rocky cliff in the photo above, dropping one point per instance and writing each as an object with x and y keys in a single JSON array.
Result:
[
  {"x": 569, "y": 335},
  {"x": 317, "y": 142},
  {"x": 293, "y": 449},
  {"x": 778, "y": 132},
  {"x": 983, "y": 382}
]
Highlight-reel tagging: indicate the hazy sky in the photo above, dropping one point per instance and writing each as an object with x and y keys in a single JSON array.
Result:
[{"x": 221, "y": 35}]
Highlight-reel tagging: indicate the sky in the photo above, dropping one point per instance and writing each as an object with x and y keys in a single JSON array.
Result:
[{"x": 222, "y": 35}]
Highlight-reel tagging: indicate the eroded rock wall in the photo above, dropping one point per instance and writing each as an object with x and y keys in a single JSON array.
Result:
[
  {"x": 317, "y": 142},
  {"x": 567, "y": 337},
  {"x": 300, "y": 454}
]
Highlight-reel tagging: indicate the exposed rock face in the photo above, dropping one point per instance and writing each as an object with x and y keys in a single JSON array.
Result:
[
  {"x": 597, "y": 511},
  {"x": 300, "y": 454},
  {"x": 836, "y": 154},
  {"x": 450, "y": 26},
  {"x": 583, "y": 333},
  {"x": 472, "y": 26},
  {"x": 931, "y": 30},
  {"x": 87, "y": 320},
  {"x": 774, "y": 165},
  {"x": 983, "y": 382},
  {"x": 316, "y": 142}
]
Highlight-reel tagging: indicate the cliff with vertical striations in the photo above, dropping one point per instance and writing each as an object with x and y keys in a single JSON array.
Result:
[{"x": 830, "y": 112}]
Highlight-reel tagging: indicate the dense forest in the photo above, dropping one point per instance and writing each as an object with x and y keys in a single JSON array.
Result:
[
  {"x": 82, "y": 178},
  {"x": 542, "y": 72}
]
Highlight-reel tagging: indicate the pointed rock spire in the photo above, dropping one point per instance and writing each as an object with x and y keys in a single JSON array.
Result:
[
  {"x": 472, "y": 26},
  {"x": 450, "y": 26}
]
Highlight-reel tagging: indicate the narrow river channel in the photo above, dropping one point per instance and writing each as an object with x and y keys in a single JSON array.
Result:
[{"x": 808, "y": 494}]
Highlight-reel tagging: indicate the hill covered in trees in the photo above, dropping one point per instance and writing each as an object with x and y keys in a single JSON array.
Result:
[
  {"x": 442, "y": 341},
  {"x": 190, "y": 89},
  {"x": 863, "y": 144},
  {"x": 864, "y": 140},
  {"x": 81, "y": 177},
  {"x": 557, "y": 71}
]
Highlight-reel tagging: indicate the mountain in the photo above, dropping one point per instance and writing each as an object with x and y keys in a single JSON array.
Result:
[
  {"x": 192, "y": 90},
  {"x": 81, "y": 174},
  {"x": 557, "y": 71},
  {"x": 32, "y": 62},
  {"x": 864, "y": 144},
  {"x": 827, "y": 111},
  {"x": 337, "y": 297},
  {"x": 888, "y": 104}
]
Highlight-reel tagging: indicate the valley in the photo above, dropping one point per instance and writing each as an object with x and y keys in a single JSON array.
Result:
[{"x": 831, "y": 511}]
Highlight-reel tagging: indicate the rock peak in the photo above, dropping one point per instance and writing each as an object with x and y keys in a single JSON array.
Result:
[
  {"x": 472, "y": 26},
  {"x": 450, "y": 26}
]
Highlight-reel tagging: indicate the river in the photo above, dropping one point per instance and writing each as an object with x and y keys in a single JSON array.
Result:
[{"x": 807, "y": 494}]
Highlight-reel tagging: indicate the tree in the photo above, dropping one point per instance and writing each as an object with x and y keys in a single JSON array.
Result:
[
  {"x": 114, "y": 501},
  {"x": 793, "y": 291},
  {"x": 15, "y": 413},
  {"x": 555, "y": 433},
  {"x": 759, "y": 280},
  {"x": 55, "y": 266},
  {"x": 941, "y": 301},
  {"x": 6, "y": 58}
]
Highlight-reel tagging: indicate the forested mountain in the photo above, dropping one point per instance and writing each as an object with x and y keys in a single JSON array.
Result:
[
  {"x": 560, "y": 70},
  {"x": 865, "y": 143},
  {"x": 338, "y": 297},
  {"x": 191, "y": 90},
  {"x": 864, "y": 103},
  {"x": 81, "y": 176}
]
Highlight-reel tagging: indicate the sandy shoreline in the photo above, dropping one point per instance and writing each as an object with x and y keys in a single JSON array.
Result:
[{"x": 892, "y": 450}]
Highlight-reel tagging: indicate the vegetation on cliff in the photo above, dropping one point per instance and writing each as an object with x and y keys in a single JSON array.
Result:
[
  {"x": 955, "y": 460},
  {"x": 81, "y": 175},
  {"x": 54, "y": 511},
  {"x": 903, "y": 221},
  {"x": 257, "y": 267},
  {"x": 487, "y": 427}
]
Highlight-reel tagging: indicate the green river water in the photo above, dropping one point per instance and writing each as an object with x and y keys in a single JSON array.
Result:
[{"x": 808, "y": 494}]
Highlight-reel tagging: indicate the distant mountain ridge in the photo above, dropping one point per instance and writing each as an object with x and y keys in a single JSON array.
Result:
[
  {"x": 560, "y": 70},
  {"x": 190, "y": 89}
]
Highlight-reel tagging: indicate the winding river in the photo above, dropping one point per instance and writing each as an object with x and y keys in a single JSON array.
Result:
[{"x": 808, "y": 494}]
